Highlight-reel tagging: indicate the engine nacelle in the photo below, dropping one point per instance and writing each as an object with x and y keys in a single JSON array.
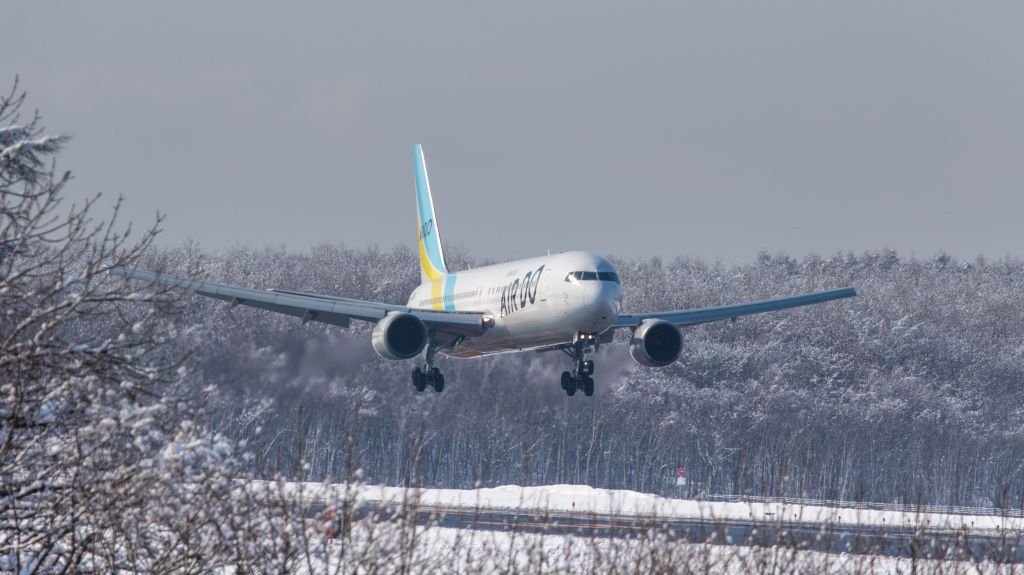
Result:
[
  {"x": 399, "y": 336},
  {"x": 656, "y": 343}
]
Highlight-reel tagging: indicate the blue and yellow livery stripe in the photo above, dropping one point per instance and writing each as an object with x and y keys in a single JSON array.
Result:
[
  {"x": 432, "y": 266},
  {"x": 449, "y": 292}
]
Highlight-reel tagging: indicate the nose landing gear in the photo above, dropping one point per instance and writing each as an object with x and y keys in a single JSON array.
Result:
[{"x": 580, "y": 377}]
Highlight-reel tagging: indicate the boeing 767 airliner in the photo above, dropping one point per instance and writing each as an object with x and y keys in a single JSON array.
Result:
[{"x": 570, "y": 302}]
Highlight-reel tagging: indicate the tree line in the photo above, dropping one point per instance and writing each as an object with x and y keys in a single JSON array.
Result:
[{"x": 910, "y": 392}]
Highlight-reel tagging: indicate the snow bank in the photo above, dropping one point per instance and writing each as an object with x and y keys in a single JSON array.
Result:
[{"x": 582, "y": 499}]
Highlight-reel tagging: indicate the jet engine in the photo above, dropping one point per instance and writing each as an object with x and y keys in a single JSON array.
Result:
[
  {"x": 656, "y": 343},
  {"x": 399, "y": 336}
]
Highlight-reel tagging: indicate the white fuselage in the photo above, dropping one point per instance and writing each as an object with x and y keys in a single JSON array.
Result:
[{"x": 535, "y": 303}]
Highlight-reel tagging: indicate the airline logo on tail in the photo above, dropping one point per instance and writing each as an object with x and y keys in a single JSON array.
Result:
[{"x": 432, "y": 266}]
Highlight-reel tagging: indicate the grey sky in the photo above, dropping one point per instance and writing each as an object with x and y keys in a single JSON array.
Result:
[{"x": 712, "y": 129}]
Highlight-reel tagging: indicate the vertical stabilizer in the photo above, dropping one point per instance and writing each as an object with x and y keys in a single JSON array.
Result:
[{"x": 432, "y": 266}]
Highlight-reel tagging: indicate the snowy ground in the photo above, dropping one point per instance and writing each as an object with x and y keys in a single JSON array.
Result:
[
  {"x": 588, "y": 500},
  {"x": 405, "y": 545},
  {"x": 445, "y": 550},
  {"x": 568, "y": 554}
]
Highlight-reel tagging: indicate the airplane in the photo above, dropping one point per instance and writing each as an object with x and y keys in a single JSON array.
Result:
[{"x": 569, "y": 302}]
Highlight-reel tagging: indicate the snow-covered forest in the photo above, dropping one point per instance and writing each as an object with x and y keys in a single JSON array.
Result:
[
  {"x": 911, "y": 392},
  {"x": 132, "y": 419}
]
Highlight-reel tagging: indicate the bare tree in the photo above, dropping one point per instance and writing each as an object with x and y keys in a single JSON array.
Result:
[{"x": 97, "y": 452}]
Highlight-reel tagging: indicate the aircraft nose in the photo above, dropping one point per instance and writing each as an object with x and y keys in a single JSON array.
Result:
[{"x": 603, "y": 301}]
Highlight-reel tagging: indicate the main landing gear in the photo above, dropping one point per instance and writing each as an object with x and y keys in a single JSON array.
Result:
[
  {"x": 431, "y": 376},
  {"x": 428, "y": 375},
  {"x": 580, "y": 377}
]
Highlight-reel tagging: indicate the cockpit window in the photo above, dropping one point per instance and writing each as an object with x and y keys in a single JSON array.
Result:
[{"x": 593, "y": 276}]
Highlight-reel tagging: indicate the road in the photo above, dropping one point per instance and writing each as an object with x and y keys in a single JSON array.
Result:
[{"x": 895, "y": 541}]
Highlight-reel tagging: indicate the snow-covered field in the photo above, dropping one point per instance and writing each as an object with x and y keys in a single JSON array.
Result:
[
  {"x": 403, "y": 544},
  {"x": 588, "y": 500},
  {"x": 447, "y": 550},
  {"x": 462, "y": 551}
]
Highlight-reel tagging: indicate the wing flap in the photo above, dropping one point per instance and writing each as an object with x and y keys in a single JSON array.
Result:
[
  {"x": 688, "y": 317},
  {"x": 387, "y": 306}
]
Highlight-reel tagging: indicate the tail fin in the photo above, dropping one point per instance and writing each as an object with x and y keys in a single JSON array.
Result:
[{"x": 432, "y": 264}]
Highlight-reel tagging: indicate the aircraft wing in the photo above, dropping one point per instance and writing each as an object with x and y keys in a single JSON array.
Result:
[
  {"x": 687, "y": 317},
  {"x": 313, "y": 307}
]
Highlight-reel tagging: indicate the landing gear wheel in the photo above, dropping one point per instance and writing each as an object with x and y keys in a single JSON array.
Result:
[
  {"x": 567, "y": 380},
  {"x": 588, "y": 385},
  {"x": 437, "y": 379},
  {"x": 570, "y": 390},
  {"x": 419, "y": 379}
]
